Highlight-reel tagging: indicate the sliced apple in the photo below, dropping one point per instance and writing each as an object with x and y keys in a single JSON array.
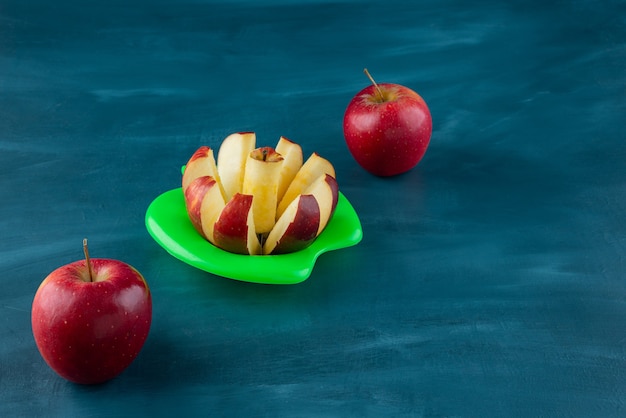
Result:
[
  {"x": 212, "y": 205},
  {"x": 259, "y": 200},
  {"x": 231, "y": 161},
  {"x": 261, "y": 181},
  {"x": 314, "y": 167},
  {"x": 233, "y": 230},
  {"x": 194, "y": 194},
  {"x": 292, "y": 162},
  {"x": 326, "y": 192},
  {"x": 202, "y": 163},
  {"x": 296, "y": 229}
]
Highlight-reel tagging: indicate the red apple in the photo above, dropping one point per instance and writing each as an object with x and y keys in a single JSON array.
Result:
[
  {"x": 90, "y": 318},
  {"x": 387, "y": 128}
]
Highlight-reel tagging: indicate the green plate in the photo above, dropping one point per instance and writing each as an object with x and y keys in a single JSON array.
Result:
[{"x": 168, "y": 223}]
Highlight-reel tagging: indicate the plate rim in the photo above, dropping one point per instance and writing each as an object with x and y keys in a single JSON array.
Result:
[{"x": 307, "y": 257}]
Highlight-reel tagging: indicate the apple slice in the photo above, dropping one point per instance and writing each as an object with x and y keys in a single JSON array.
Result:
[
  {"x": 194, "y": 196},
  {"x": 314, "y": 167},
  {"x": 296, "y": 228},
  {"x": 292, "y": 155},
  {"x": 261, "y": 181},
  {"x": 201, "y": 163},
  {"x": 326, "y": 191},
  {"x": 234, "y": 229},
  {"x": 231, "y": 161},
  {"x": 210, "y": 208}
]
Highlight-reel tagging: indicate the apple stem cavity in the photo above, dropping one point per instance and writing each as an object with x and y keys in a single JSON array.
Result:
[
  {"x": 380, "y": 92},
  {"x": 87, "y": 259}
]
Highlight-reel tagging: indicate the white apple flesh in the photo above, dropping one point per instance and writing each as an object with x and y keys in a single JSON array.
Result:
[
  {"x": 259, "y": 201},
  {"x": 231, "y": 161},
  {"x": 261, "y": 181},
  {"x": 313, "y": 167},
  {"x": 292, "y": 162},
  {"x": 202, "y": 163}
]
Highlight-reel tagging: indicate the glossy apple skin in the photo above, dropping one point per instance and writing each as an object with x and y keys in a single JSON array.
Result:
[
  {"x": 89, "y": 332},
  {"x": 202, "y": 163},
  {"x": 194, "y": 194},
  {"x": 389, "y": 137},
  {"x": 334, "y": 187},
  {"x": 302, "y": 231},
  {"x": 231, "y": 229}
]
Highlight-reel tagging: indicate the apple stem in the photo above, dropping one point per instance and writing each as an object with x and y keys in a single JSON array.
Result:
[
  {"x": 87, "y": 259},
  {"x": 380, "y": 92}
]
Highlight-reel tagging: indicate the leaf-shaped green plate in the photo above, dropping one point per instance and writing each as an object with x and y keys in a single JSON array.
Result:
[{"x": 168, "y": 223}]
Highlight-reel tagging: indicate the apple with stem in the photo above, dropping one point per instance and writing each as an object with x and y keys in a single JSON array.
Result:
[
  {"x": 387, "y": 128},
  {"x": 90, "y": 318}
]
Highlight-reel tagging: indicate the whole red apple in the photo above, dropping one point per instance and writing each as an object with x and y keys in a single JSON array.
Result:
[
  {"x": 90, "y": 318},
  {"x": 387, "y": 128}
]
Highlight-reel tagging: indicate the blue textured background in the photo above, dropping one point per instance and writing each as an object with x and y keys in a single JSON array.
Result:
[{"x": 491, "y": 280}]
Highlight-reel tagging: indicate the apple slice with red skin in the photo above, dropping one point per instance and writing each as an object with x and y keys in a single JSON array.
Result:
[
  {"x": 296, "y": 229},
  {"x": 313, "y": 167},
  {"x": 234, "y": 229},
  {"x": 212, "y": 205},
  {"x": 195, "y": 194},
  {"x": 231, "y": 161},
  {"x": 326, "y": 191},
  {"x": 261, "y": 181},
  {"x": 254, "y": 214},
  {"x": 202, "y": 163},
  {"x": 292, "y": 162}
]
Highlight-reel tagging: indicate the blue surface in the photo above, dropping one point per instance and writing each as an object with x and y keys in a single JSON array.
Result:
[{"x": 490, "y": 280}]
